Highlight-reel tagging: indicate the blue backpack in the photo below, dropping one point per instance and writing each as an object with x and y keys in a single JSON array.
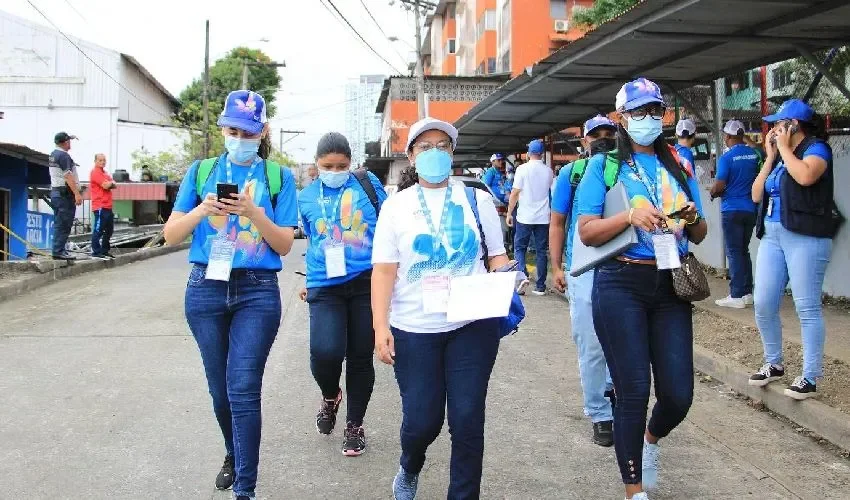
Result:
[{"x": 510, "y": 323}]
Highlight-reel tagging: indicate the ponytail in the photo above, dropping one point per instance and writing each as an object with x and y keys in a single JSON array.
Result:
[{"x": 816, "y": 127}]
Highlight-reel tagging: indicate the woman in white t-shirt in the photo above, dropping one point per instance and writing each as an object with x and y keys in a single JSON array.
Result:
[{"x": 426, "y": 235}]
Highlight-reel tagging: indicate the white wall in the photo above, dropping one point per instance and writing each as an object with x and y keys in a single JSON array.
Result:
[
  {"x": 130, "y": 108},
  {"x": 153, "y": 138}
]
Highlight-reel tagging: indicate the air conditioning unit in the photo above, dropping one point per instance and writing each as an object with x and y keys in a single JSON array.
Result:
[{"x": 562, "y": 25}]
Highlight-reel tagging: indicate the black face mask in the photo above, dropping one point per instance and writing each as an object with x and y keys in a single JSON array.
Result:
[{"x": 603, "y": 145}]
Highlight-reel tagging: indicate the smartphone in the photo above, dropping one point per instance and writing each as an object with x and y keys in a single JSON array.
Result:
[
  {"x": 224, "y": 190},
  {"x": 676, "y": 215}
]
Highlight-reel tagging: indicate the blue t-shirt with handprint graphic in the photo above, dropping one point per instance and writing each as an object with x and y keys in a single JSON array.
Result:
[{"x": 352, "y": 223}]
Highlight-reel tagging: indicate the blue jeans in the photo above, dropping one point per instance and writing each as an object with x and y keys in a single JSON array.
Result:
[
  {"x": 63, "y": 219},
  {"x": 104, "y": 223},
  {"x": 784, "y": 255},
  {"x": 737, "y": 231},
  {"x": 235, "y": 324},
  {"x": 595, "y": 379},
  {"x": 646, "y": 332},
  {"x": 524, "y": 233},
  {"x": 341, "y": 329},
  {"x": 441, "y": 373}
]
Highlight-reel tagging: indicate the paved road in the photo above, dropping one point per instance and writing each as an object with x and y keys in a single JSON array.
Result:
[{"x": 103, "y": 397}]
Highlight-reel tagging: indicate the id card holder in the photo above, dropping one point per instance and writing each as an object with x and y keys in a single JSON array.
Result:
[
  {"x": 435, "y": 293},
  {"x": 335, "y": 260},
  {"x": 770, "y": 206},
  {"x": 666, "y": 251},
  {"x": 221, "y": 259}
]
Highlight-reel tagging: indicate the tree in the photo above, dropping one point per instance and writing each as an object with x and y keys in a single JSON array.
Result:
[
  {"x": 602, "y": 11},
  {"x": 168, "y": 163},
  {"x": 826, "y": 99}
]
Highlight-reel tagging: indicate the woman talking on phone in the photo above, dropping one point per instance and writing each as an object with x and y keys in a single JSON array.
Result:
[
  {"x": 240, "y": 210},
  {"x": 339, "y": 213},
  {"x": 797, "y": 221},
  {"x": 652, "y": 332},
  {"x": 426, "y": 235}
]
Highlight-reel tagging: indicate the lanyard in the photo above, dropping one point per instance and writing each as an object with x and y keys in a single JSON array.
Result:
[
  {"x": 651, "y": 186},
  {"x": 334, "y": 206},
  {"x": 435, "y": 233}
]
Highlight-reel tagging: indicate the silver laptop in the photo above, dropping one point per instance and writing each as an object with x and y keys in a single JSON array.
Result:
[{"x": 586, "y": 258}]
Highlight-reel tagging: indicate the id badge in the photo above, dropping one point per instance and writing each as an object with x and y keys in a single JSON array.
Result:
[
  {"x": 435, "y": 293},
  {"x": 666, "y": 251},
  {"x": 221, "y": 259},
  {"x": 335, "y": 261},
  {"x": 770, "y": 206}
]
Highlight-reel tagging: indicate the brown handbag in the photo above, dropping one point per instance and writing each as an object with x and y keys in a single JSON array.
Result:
[{"x": 689, "y": 280}]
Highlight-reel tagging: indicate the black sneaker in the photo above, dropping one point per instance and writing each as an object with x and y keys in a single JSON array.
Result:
[
  {"x": 603, "y": 433},
  {"x": 109, "y": 255},
  {"x": 326, "y": 418},
  {"x": 354, "y": 443},
  {"x": 227, "y": 475},
  {"x": 801, "y": 389},
  {"x": 612, "y": 396},
  {"x": 766, "y": 374},
  {"x": 64, "y": 256}
]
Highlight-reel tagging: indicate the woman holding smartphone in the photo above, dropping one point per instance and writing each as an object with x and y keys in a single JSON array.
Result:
[{"x": 232, "y": 299}]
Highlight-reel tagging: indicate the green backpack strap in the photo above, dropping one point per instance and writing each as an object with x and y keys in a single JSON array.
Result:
[
  {"x": 274, "y": 180},
  {"x": 612, "y": 169},
  {"x": 577, "y": 172},
  {"x": 205, "y": 168}
]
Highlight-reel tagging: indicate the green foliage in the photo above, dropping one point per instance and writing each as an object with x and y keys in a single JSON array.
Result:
[
  {"x": 826, "y": 99},
  {"x": 170, "y": 163},
  {"x": 602, "y": 11}
]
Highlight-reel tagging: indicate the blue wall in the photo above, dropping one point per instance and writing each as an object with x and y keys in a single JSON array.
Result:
[{"x": 13, "y": 176}]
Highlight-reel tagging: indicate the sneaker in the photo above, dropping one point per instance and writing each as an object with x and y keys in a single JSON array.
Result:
[
  {"x": 748, "y": 299},
  {"x": 603, "y": 433},
  {"x": 539, "y": 293},
  {"x": 731, "y": 302},
  {"x": 326, "y": 418},
  {"x": 109, "y": 255},
  {"x": 766, "y": 374},
  {"x": 639, "y": 496},
  {"x": 64, "y": 256},
  {"x": 650, "y": 465},
  {"x": 801, "y": 389},
  {"x": 354, "y": 443},
  {"x": 227, "y": 475},
  {"x": 404, "y": 485},
  {"x": 97, "y": 256}
]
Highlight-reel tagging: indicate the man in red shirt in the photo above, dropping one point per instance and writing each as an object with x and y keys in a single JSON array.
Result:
[{"x": 101, "y": 204}]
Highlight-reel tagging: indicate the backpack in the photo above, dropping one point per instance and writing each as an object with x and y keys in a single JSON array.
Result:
[
  {"x": 362, "y": 177},
  {"x": 516, "y": 313},
  {"x": 273, "y": 176},
  {"x": 610, "y": 174}
]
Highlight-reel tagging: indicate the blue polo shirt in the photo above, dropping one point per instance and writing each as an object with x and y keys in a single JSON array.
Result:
[
  {"x": 498, "y": 183},
  {"x": 738, "y": 167}
]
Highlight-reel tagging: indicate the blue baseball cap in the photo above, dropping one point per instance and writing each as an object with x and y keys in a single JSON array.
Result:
[
  {"x": 792, "y": 109},
  {"x": 596, "y": 122},
  {"x": 244, "y": 110},
  {"x": 638, "y": 93},
  {"x": 497, "y": 156},
  {"x": 536, "y": 147}
]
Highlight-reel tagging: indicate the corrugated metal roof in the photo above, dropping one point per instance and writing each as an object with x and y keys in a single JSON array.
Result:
[
  {"x": 132, "y": 60},
  {"x": 676, "y": 43},
  {"x": 24, "y": 153},
  {"x": 136, "y": 191}
]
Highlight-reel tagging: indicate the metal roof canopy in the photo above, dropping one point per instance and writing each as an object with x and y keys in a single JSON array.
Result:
[{"x": 676, "y": 43}]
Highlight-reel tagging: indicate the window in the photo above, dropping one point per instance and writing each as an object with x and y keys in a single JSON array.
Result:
[
  {"x": 506, "y": 62},
  {"x": 755, "y": 76},
  {"x": 782, "y": 77},
  {"x": 451, "y": 46},
  {"x": 737, "y": 83},
  {"x": 558, "y": 9},
  {"x": 486, "y": 23},
  {"x": 450, "y": 11},
  {"x": 491, "y": 65}
]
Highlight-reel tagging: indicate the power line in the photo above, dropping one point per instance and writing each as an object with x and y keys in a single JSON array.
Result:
[
  {"x": 358, "y": 34},
  {"x": 306, "y": 112},
  {"x": 98, "y": 66},
  {"x": 363, "y": 3},
  {"x": 75, "y": 10}
]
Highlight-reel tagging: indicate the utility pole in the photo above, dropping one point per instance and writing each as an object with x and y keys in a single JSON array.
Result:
[
  {"x": 207, "y": 92},
  {"x": 296, "y": 132},
  {"x": 417, "y": 6}
]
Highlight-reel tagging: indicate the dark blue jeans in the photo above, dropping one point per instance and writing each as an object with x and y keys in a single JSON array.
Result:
[
  {"x": 341, "y": 329},
  {"x": 235, "y": 324},
  {"x": 524, "y": 233},
  {"x": 737, "y": 232},
  {"x": 441, "y": 373},
  {"x": 104, "y": 223},
  {"x": 63, "y": 219},
  {"x": 642, "y": 326}
]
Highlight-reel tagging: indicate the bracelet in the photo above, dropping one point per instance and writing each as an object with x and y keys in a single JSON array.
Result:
[
  {"x": 695, "y": 221},
  {"x": 631, "y": 211}
]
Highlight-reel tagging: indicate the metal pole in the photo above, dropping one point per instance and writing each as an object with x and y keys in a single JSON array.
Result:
[
  {"x": 819, "y": 76},
  {"x": 281, "y": 141},
  {"x": 824, "y": 70},
  {"x": 245, "y": 75},
  {"x": 718, "y": 97},
  {"x": 764, "y": 111},
  {"x": 420, "y": 72},
  {"x": 207, "y": 92}
]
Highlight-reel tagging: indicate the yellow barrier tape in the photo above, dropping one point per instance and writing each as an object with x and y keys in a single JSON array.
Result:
[{"x": 33, "y": 249}]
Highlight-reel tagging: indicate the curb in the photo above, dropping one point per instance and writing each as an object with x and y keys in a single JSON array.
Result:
[
  {"x": 822, "y": 419},
  {"x": 14, "y": 289}
]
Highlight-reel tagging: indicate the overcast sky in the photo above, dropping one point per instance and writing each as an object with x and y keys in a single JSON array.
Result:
[{"x": 321, "y": 54}]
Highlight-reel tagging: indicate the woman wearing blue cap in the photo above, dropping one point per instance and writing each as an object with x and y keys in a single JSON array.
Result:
[
  {"x": 427, "y": 235},
  {"x": 240, "y": 210},
  {"x": 339, "y": 213},
  {"x": 652, "y": 331},
  {"x": 797, "y": 220}
]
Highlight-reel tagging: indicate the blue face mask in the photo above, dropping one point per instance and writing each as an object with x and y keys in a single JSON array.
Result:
[
  {"x": 334, "y": 180},
  {"x": 433, "y": 165},
  {"x": 241, "y": 150},
  {"x": 644, "y": 132}
]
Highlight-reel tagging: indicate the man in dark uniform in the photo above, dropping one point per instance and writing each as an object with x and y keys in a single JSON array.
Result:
[{"x": 64, "y": 194}]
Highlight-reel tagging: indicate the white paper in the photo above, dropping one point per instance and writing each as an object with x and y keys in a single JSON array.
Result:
[
  {"x": 221, "y": 260},
  {"x": 666, "y": 251},
  {"x": 769, "y": 207},
  {"x": 435, "y": 292},
  {"x": 481, "y": 296},
  {"x": 335, "y": 261}
]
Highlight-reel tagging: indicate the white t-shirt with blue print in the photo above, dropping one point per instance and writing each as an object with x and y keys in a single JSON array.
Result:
[
  {"x": 252, "y": 251},
  {"x": 590, "y": 197},
  {"x": 352, "y": 224},
  {"x": 773, "y": 182},
  {"x": 403, "y": 237}
]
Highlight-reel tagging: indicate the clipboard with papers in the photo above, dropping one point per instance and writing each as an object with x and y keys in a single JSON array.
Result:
[{"x": 585, "y": 257}]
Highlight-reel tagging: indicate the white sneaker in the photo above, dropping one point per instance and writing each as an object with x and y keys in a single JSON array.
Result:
[
  {"x": 539, "y": 293},
  {"x": 639, "y": 496},
  {"x": 731, "y": 302},
  {"x": 748, "y": 299}
]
